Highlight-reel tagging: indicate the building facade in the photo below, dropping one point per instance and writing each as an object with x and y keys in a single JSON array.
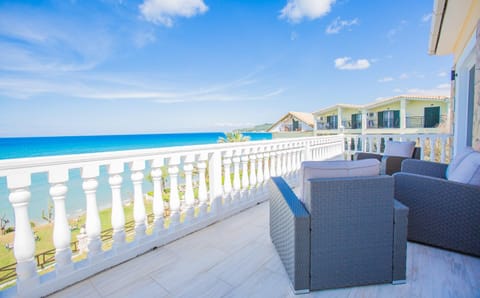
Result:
[{"x": 406, "y": 114}]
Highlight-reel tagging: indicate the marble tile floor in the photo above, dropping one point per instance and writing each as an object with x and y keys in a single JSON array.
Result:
[{"x": 235, "y": 258}]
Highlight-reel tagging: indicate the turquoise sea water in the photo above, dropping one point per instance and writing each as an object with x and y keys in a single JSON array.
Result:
[{"x": 75, "y": 201}]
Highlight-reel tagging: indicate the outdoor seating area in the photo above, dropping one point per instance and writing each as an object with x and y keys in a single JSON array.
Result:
[{"x": 236, "y": 258}]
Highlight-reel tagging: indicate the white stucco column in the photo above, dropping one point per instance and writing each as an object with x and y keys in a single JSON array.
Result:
[
  {"x": 339, "y": 117},
  {"x": 403, "y": 113},
  {"x": 364, "y": 121}
]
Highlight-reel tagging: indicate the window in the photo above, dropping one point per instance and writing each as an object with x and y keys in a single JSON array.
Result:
[
  {"x": 357, "y": 121},
  {"x": 389, "y": 119},
  {"x": 332, "y": 122}
]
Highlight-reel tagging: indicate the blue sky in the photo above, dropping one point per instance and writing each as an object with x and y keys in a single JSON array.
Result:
[{"x": 152, "y": 66}]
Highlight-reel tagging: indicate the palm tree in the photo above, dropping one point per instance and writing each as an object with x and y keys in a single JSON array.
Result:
[{"x": 233, "y": 137}]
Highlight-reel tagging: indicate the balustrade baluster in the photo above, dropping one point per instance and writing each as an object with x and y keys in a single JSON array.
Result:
[
  {"x": 260, "y": 174},
  {"x": 236, "y": 171},
  {"x": 279, "y": 162},
  {"x": 23, "y": 243},
  {"x": 115, "y": 171},
  {"x": 202, "y": 184},
  {"x": 174, "y": 200},
  {"x": 266, "y": 167},
  {"x": 442, "y": 149},
  {"x": 253, "y": 175},
  {"x": 158, "y": 205},
  {"x": 273, "y": 163},
  {"x": 227, "y": 180},
  {"x": 422, "y": 147},
  {"x": 139, "y": 215},
  {"x": 57, "y": 178},
  {"x": 379, "y": 144},
  {"x": 92, "y": 223},
  {"x": 189, "y": 199},
  {"x": 432, "y": 148},
  {"x": 245, "y": 180}
]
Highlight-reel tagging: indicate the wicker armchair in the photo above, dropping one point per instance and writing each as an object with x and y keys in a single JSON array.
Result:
[
  {"x": 390, "y": 164},
  {"x": 443, "y": 213},
  {"x": 350, "y": 232}
]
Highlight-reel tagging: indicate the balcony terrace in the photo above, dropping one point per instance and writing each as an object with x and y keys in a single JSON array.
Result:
[{"x": 211, "y": 238}]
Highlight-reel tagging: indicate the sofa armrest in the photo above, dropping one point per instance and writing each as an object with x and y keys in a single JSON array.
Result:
[
  {"x": 426, "y": 168},
  {"x": 365, "y": 155},
  {"x": 400, "y": 223},
  {"x": 391, "y": 164},
  {"x": 290, "y": 232},
  {"x": 442, "y": 213}
]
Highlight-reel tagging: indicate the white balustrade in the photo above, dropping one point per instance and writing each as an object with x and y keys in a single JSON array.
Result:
[
  {"x": 252, "y": 163},
  {"x": 437, "y": 146}
]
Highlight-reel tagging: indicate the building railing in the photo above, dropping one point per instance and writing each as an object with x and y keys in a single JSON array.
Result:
[
  {"x": 218, "y": 180},
  {"x": 419, "y": 121},
  {"x": 434, "y": 147}
]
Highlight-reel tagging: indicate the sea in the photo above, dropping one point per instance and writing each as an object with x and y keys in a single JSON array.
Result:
[{"x": 40, "y": 202}]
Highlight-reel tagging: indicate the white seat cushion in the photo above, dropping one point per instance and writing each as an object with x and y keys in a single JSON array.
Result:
[
  {"x": 468, "y": 170},
  {"x": 336, "y": 169},
  {"x": 401, "y": 149}
]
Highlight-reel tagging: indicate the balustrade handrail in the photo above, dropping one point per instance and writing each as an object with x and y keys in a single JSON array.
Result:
[{"x": 40, "y": 164}]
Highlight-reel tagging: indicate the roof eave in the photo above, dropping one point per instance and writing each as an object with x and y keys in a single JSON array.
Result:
[{"x": 439, "y": 7}]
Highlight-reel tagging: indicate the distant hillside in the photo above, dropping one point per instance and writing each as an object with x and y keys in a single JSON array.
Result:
[{"x": 258, "y": 128}]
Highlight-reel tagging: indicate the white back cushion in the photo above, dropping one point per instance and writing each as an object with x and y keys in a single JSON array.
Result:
[
  {"x": 457, "y": 160},
  {"x": 468, "y": 171},
  {"x": 402, "y": 149},
  {"x": 335, "y": 169}
]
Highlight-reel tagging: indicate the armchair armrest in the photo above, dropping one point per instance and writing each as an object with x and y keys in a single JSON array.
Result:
[
  {"x": 391, "y": 164},
  {"x": 426, "y": 168},
  {"x": 442, "y": 213},
  {"x": 290, "y": 233},
  {"x": 365, "y": 155},
  {"x": 400, "y": 223}
]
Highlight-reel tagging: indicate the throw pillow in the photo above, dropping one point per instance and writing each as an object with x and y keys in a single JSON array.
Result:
[
  {"x": 335, "y": 169},
  {"x": 457, "y": 160},
  {"x": 468, "y": 171},
  {"x": 401, "y": 149}
]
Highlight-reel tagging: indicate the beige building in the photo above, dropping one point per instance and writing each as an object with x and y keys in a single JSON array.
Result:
[
  {"x": 294, "y": 122},
  {"x": 405, "y": 114},
  {"x": 456, "y": 31}
]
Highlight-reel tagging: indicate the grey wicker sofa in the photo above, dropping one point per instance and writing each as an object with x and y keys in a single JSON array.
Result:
[
  {"x": 443, "y": 213},
  {"x": 350, "y": 232},
  {"x": 390, "y": 164}
]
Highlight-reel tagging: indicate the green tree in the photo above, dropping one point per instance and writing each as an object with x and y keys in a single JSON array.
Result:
[{"x": 233, "y": 137}]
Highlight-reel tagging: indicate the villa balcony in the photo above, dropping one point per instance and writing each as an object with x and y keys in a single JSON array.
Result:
[{"x": 211, "y": 237}]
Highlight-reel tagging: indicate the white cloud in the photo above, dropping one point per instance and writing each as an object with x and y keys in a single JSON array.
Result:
[
  {"x": 426, "y": 17},
  {"x": 442, "y": 74},
  {"x": 338, "y": 25},
  {"x": 442, "y": 89},
  {"x": 346, "y": 63},
  {"x": 164, "y": 11},
  {"x": 394, "y": 31},
  {"x": 403, "y": 76},
  {"x": 385, "y": 79},
  {"x": 296, "y": 10}
]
